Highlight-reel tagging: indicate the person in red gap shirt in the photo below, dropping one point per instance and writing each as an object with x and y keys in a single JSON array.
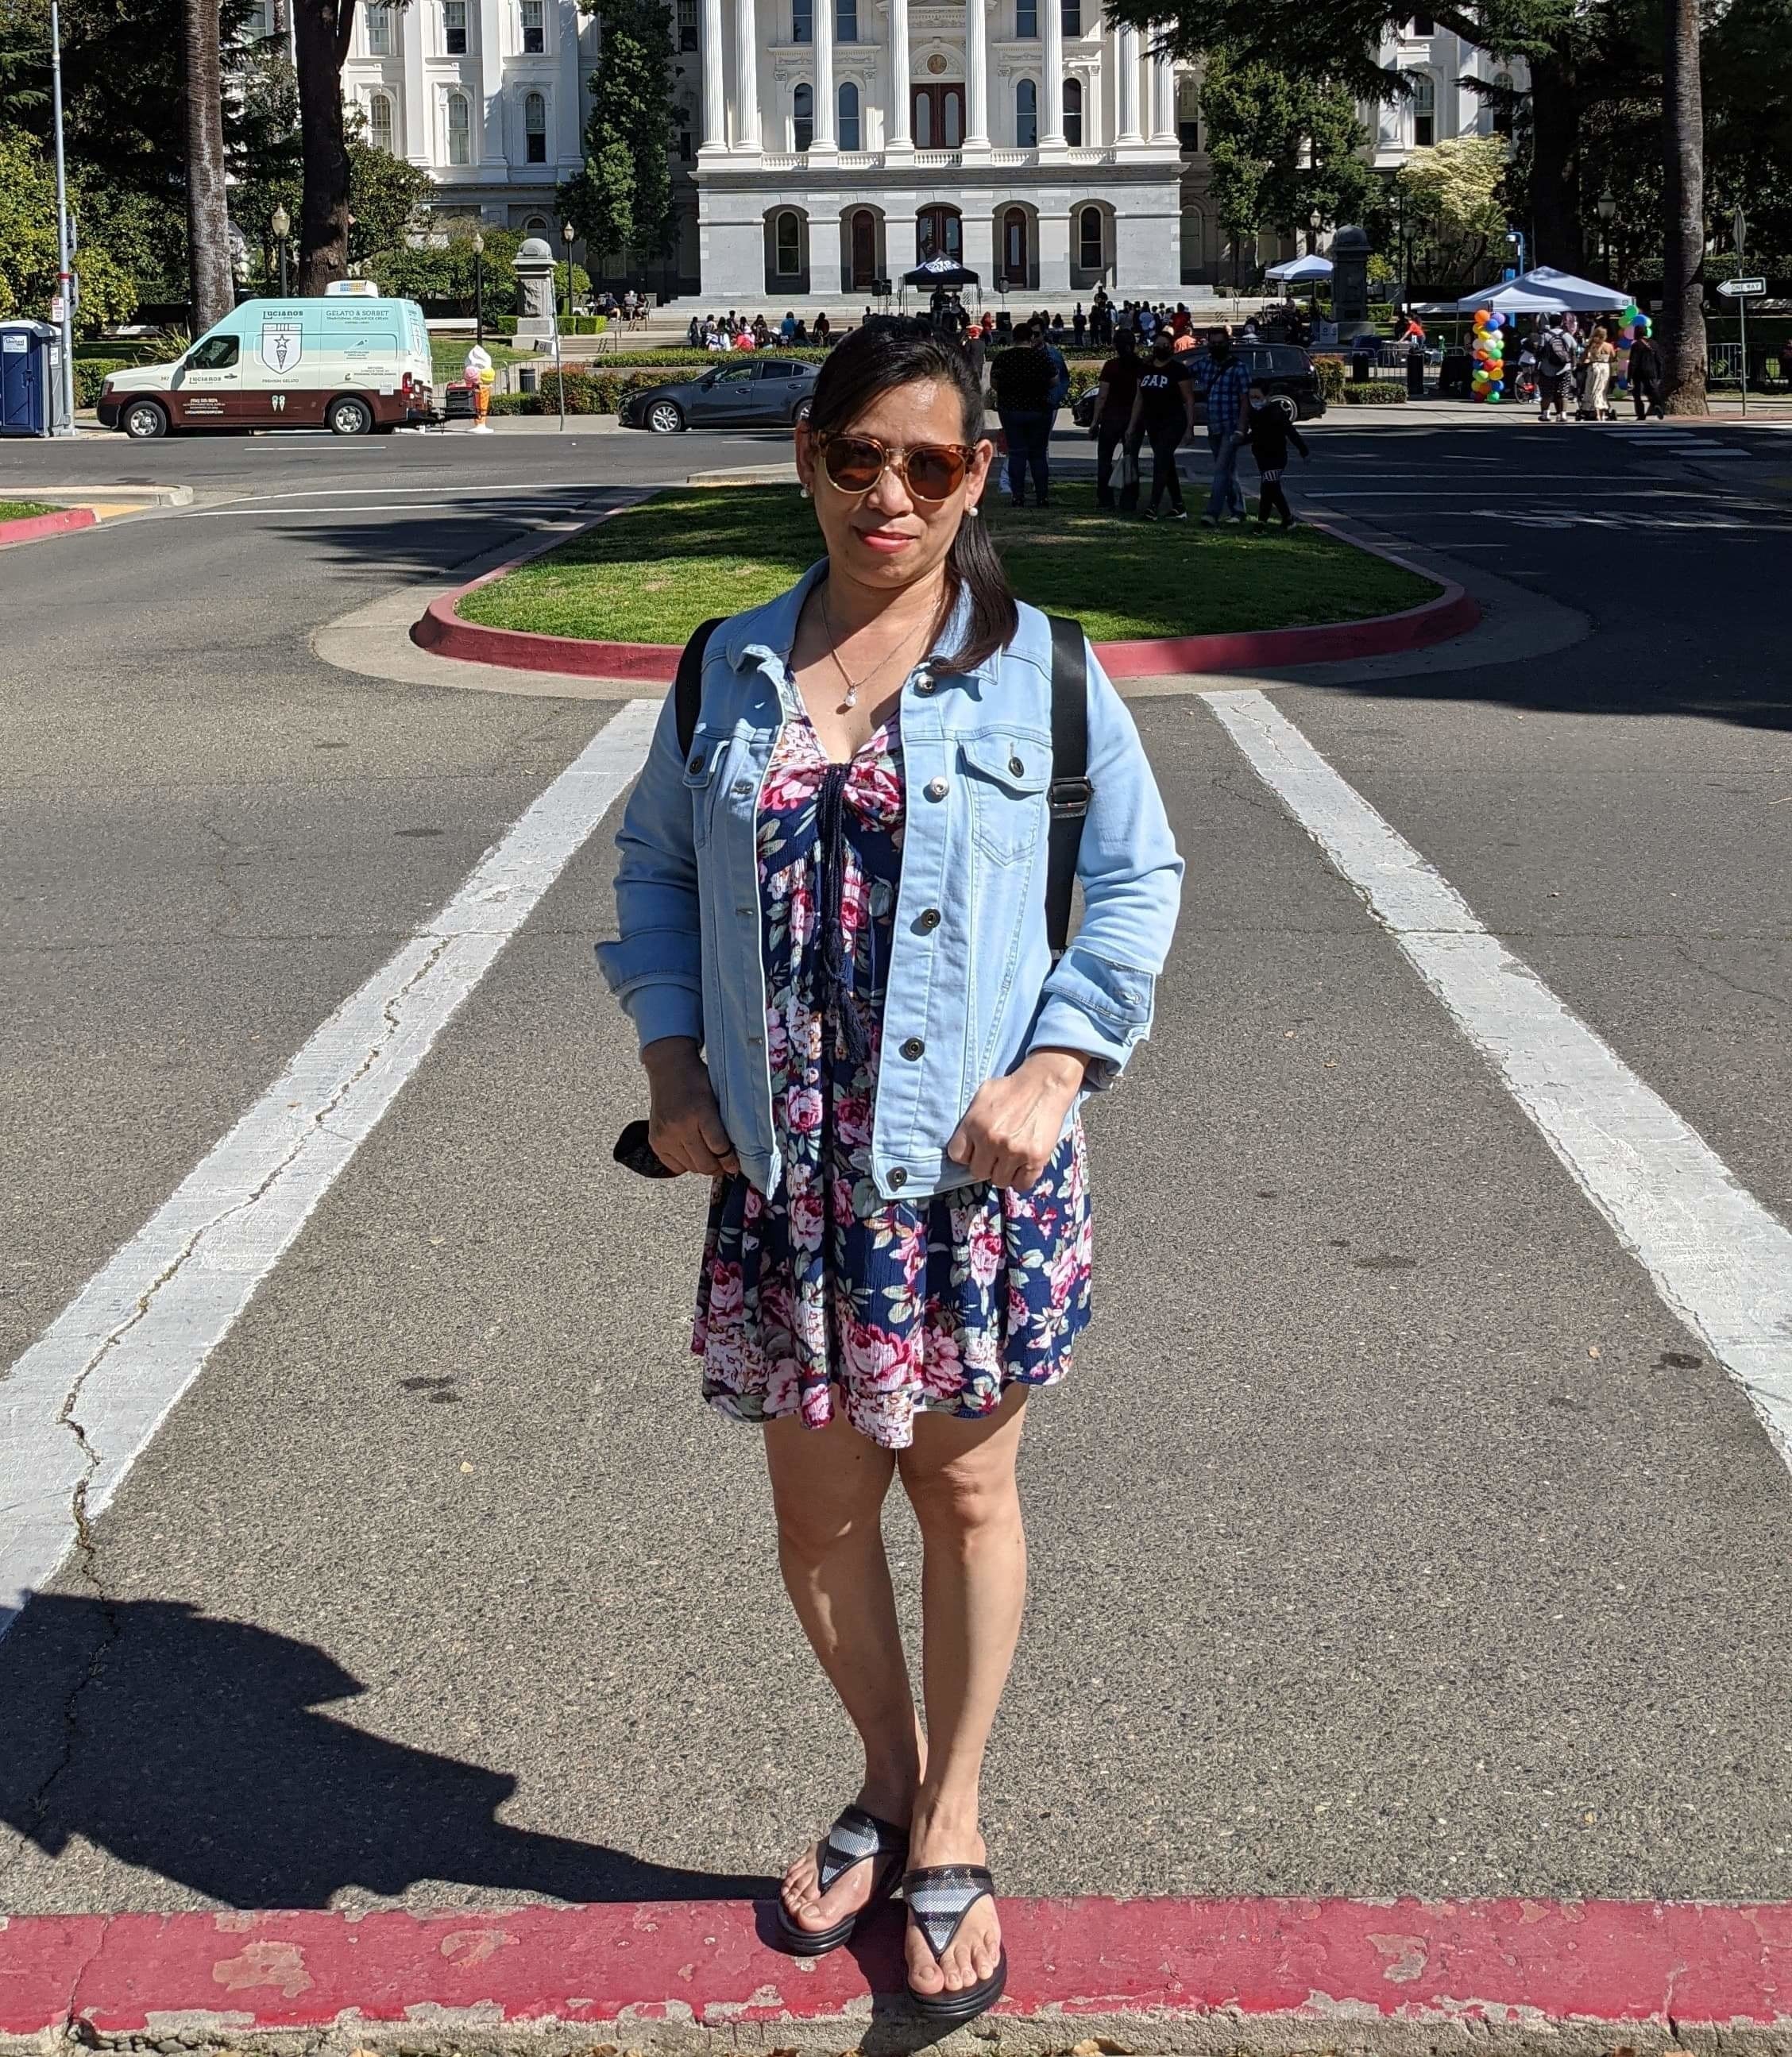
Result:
[
  {"x": 1113, "y": 411},
  {"x": 1163, "y": 410}
]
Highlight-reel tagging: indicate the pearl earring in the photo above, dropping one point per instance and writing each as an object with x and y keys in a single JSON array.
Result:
[
  {"x": 973, "y": 510},
  {"x": 805, "y": 493}
]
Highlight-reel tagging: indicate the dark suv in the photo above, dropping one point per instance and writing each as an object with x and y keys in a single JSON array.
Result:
[{"x": 1281, "y": 368}]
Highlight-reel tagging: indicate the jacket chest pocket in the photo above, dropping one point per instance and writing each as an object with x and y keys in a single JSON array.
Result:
[
  {"x": 1007, "y": 778},
  {"x": 704, "y": 763}
]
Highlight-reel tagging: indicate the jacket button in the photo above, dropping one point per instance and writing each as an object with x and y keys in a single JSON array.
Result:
[
  {"x": 1016, "y": 767},
  {"x": 929, "y": 918},
  {"x": 913, "y": 1047},
  {"x": 936, "y": 789},
  {"x": 898, "y": 1179},
  {"x": 740, "y": 788},
  {"x": 924, "y": 683},
  {"x": 696, "y": 764}
]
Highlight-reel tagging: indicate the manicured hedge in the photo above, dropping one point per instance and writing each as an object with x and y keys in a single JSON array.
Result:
[
  {"x": 1331, "y": 371},
  {"x": 91, "y": 373},
  {"x": 1375, "y": 393}
]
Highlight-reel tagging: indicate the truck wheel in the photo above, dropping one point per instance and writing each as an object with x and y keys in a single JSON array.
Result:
[
  {"x": 664, "y": 418},
  {"x": 142, "y": 419},
  {"x": 349, "y": 417}
]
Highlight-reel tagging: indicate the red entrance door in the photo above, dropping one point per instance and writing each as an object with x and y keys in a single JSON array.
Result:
[
  {"x": 939, "y": 117},
  {"x": 864, "y": 250},
  {"x": 938, "y": 233}
]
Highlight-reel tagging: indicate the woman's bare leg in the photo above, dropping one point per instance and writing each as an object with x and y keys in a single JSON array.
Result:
[
  {"x": 959, "y": 1476},
  {"x": 827, "y": 1490}
]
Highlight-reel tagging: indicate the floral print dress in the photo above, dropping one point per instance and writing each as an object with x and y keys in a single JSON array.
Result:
[{"x": 825, "y": 1293}]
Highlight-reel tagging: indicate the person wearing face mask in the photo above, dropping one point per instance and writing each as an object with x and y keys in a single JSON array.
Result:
[
  {"x": 1164, "y": 411},
  {"x": 1225, "y": 384},
  {"x": 1269, "y": 429}
]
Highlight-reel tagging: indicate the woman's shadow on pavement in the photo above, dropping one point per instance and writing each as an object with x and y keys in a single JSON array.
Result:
[{"x": 189, "y": 1746}]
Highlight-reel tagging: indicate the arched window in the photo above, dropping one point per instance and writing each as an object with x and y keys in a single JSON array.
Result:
[
  {"x": 802, "y": 121},
  {"x": 534, "y": 128},
  {"x": 1090, "y": 238},
  {"x": 1503, "y": 109},
  {"x": 1187, "y": 111},
  {"x": 1026, "y": 115},
  {"x": 379, "y": 122},
  {"x": 536, "y": 225},
  {"x": 460, "y": 130},
  {"x": 1424, "y": 111},
  {"x": 788, "y": 233},
  {"x": 847, "y": 115},
  {"x": 1013, "y": 246},
  {"x": 1073, "y": 112}
]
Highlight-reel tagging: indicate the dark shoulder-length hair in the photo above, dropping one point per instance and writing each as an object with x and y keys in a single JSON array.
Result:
[{"x": 876, "y": 360}]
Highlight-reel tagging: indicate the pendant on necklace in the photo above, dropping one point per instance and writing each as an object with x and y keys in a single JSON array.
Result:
[{"x": 851, "y": 694}]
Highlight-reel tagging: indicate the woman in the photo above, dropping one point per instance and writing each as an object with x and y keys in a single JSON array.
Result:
[
  {"x": 833, "y": 941},
  {"x": 1595, "y": 405}
]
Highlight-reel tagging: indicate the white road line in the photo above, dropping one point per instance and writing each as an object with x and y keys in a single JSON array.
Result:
[
  {"x": 85, "y": 1400},
  {"x": 1721, "y": 1261}
]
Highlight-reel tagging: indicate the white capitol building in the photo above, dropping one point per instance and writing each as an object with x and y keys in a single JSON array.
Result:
[{"x": 821, "y": 146}]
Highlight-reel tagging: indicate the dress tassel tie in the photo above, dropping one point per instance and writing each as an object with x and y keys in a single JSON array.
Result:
[{"x": 837, "y": 997}]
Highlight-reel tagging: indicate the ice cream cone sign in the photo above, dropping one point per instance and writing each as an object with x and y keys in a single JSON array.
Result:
[{"x": 480, "y": 377}]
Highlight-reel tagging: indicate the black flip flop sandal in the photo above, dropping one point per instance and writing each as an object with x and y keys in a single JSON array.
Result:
[
  {"x": 939, "y": 1897},
  {"x": 856, "y": 1838}
]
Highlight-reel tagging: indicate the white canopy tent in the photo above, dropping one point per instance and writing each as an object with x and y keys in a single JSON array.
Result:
[
  {"x": 1297, "y": 271},
  {"x": 1544, "y": 290}
]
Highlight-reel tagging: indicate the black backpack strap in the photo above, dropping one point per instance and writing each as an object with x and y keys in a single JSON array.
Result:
[
  {"x": 688, "y": 688},
  {"x": 1070, "y": 791}
]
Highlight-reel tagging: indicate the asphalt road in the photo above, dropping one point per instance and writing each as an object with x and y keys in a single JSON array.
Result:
[{"x": 1391, "y": 1535}]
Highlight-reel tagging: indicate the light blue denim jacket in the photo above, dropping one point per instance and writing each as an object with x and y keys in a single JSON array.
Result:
[{"x": 972, "y": 987}]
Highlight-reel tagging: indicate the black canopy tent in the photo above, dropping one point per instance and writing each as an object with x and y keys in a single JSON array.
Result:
[{"x": 941, "y": 272}]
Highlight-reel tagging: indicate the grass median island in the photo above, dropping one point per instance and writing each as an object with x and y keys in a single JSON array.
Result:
[
  {"x": 653, "y": 573},
  {"x": 23, "y": 510}
]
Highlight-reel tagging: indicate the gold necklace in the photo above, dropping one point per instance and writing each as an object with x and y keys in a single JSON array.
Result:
[{"x": 864, "y": 678}]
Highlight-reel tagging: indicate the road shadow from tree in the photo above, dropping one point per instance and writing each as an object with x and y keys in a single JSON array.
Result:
[{"x": 192, "y": 1746}]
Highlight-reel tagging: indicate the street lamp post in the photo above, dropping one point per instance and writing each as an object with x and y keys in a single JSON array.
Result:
[
  {"x": 1313, "y": 233},
  {"x": 1738, "y": 233},
  {"x": 65, "y": 284},
  {"x": 478, "y": 287},
  {"x": 280, "y": 222},
  {"x": 1607, "y": 208},
  {"x": 569, "y": 231}
]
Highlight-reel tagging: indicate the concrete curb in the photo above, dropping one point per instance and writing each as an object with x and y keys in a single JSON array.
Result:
[
  {"x": 33, "y": 527},
  {"x": 441, "y": 629},
  {"x": 1086, "y": 1976}
]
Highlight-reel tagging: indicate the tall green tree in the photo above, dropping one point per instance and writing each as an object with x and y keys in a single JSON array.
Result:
[
  {"x": 1566, "y": 45},
  {"x": 1683, "y": 260},
  {"x": 1450, "y": 209},
  {"x": 622, "y": 198},
  {"x": 212, "y": 282},
  {"x": 322, "y": 30},
  {"x": 1279, "y": 146}
]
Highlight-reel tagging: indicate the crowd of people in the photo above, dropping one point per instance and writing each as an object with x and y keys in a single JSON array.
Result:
[
  {"x": 1148, "y": 396},
  {"x": 736, "y": 331},
  {"x": 1559, "y": 365}
]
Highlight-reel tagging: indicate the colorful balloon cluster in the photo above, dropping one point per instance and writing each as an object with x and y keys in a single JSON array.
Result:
[
  {"x": 1634, "y": 322},
  {"x": 1488, "y": 347}
]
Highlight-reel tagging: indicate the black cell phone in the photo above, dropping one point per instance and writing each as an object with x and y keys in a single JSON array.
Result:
[{"x": 635, "y": 1153}]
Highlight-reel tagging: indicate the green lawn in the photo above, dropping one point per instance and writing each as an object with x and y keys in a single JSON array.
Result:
[
  {"x": 448, "y": 354},
  {"x": 22, "y": 510},
  {"x": 651, "y": 574}
]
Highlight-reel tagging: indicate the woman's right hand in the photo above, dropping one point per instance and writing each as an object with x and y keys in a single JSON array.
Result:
[{"x": 684, "y": 1124}]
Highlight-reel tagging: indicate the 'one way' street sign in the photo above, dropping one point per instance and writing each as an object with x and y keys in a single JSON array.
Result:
[{"x": 1742, "y": 289}]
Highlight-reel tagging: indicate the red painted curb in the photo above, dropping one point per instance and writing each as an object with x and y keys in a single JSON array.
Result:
[
  {"x": 1452, "y": 613},
  {"x": 33, "y": 527},
  {"x": 1487, "y": 1964}
]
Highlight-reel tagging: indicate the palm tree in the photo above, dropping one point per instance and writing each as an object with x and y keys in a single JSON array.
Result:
[
  {"x": 322, "y": 30},
  {"x": 1683, "y": 284},
  {"x": 214, "y": 291}
]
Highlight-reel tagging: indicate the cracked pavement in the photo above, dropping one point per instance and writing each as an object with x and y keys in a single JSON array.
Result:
[{"x": 1390, "y": 1536}]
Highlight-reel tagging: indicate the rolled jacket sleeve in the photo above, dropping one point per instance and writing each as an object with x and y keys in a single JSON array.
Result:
[
  {"x": 655, "y": 966},
  {"x": 1099, "y": 996}
]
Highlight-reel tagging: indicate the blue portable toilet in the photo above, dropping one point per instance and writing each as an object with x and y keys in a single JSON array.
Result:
[{"x": 31, "y": 379}]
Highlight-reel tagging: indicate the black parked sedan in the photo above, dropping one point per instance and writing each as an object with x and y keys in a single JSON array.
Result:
[
  {"x": 1282, "y": 368},
  {"x": 750, "y": 392}
]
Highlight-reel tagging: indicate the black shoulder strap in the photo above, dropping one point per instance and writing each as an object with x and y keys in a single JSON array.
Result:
[
  {"x": 689, "y": 686},
  {"x": 1070, "y": 789}
]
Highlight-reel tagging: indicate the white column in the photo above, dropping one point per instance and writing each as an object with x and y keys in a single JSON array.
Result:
[
  {"x": 977, "y": 81},
  {"x": 895, "y": 127},
  {"x": 1126, "y": 78},
  {"x": 746, "y": 77},
  {"x": 1163, "y": 94},
  {"x": 414, "y": 112},
  {"x": 715, "y": 110},
  {"x": 1051, "y": 135},
  {"x": 824, "y": 142}
]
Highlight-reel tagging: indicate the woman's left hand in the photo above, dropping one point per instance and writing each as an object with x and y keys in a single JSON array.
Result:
[{"x": 1012, "y": 1125}]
